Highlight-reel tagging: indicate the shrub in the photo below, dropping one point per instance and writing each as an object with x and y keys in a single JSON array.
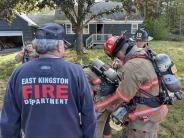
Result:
[{"x": 157, "y": 28}]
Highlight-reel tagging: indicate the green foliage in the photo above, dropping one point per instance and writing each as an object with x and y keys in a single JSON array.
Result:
[
  {"x": 7, "y": 65},
  {"x": 158, "y": 28},
  {"x": 8, "y": 8},
  {"x": 175, "y": 16}
]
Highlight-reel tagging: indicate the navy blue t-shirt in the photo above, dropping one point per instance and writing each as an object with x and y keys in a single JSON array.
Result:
[{"x": 48, "y": 98}]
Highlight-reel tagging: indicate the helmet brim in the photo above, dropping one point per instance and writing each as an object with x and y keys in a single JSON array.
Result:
[{"x": 132, "y": 39}]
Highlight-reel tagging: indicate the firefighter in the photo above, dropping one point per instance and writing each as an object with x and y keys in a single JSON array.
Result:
[
  {"x": 27, "y": 54},
  {"x": 141, "y": 38},
  {"x": 103, "y": 129},
  {"x": 138, "y": 80}
]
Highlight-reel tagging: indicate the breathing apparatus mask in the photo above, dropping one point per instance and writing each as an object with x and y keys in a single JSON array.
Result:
[{"x": 108, "y": 76}]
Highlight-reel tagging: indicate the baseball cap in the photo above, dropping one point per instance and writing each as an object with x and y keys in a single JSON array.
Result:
[{"x": 50, "y": 31}]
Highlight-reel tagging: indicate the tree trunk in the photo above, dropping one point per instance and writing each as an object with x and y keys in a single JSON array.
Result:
[
  {"x": 180, "y": 25},
  {"x": 145, "y": 9},
  {"x": 79, "y": 41}
]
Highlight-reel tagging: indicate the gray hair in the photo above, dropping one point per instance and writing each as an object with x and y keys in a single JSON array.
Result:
[{"x": 43, "y": 46}]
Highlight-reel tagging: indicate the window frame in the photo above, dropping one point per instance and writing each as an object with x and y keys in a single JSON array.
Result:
[
  {"x": 132, "y": 29},
  {"x": 71, "y": 29},
  {"x": 87, "y": 29}
]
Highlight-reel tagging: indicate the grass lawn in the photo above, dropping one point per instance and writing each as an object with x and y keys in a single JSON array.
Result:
[{"x": 172, "y": 127}]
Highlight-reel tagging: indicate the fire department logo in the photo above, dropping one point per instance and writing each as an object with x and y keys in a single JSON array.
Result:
[{"x": 44, "y": 90}]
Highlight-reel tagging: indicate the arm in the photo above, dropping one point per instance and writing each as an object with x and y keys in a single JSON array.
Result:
[
  {"x": 126, "y": 90},
  {"x": 88, "y": 118},
  {"x": 19, "y": 56},
  {"x": 10, "y": 117}
]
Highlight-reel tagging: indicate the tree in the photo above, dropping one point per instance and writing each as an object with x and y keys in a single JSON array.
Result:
[
  {"x": 149, "y": 9},
  {"x": 75, "y": 10},
  {"x": 175, "y": 16}
]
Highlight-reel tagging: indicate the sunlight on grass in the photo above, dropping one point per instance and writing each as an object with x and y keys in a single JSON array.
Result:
[{"x": 7, "y": 57}]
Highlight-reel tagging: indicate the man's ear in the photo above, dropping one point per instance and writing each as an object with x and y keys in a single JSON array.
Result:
[{"x": 61, "y": 48}]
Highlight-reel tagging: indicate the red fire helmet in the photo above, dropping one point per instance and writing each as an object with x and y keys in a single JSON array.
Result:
[{"x": 112, "y": 43}]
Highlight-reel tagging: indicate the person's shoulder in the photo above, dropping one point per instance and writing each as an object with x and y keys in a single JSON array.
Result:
[
  {"x": 33, "y": 53},
  {"x": 134, "y": 65},
  {"x": 73, "y": 65},
  {"x": 17, "y": 70},
  {"x": 130, "y": 64},
  {"x": 21, "y": 66}
]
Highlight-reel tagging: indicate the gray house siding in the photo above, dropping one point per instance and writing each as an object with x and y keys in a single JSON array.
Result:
[
  {"x": 117, "y": 29},
  {"x": 71, "y": 38},
  {"x": 114, "y": 29},
  {"x": 92, "y": 30},
  {"x": 18, "y": 24}
]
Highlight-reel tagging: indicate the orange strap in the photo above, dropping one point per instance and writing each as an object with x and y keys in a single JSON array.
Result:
[{"x": 106, "y": 102}]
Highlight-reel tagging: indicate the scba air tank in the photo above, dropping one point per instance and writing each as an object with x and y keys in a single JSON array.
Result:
[
  {"x": 109, "y": 72},
  {"x": 168, "y": 72}
]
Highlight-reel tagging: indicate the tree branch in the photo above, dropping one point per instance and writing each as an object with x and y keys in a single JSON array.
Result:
[
  {"x": 81, "y": 8},
  {"x": 105, "y": 12},
  {"x": 67, "y": 6}
]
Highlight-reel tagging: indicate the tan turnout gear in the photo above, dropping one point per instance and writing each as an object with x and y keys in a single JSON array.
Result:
[
  {"x": 137, "y": 75},
  {"x": 102, "y": 115}
]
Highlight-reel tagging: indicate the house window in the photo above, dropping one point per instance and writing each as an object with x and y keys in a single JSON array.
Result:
[
  {"x": 134, "y": 28},
  {"x": 69, "y": 29},
  {"x": 73, "y": 29},
  {"x": 86, "y": 29}
]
